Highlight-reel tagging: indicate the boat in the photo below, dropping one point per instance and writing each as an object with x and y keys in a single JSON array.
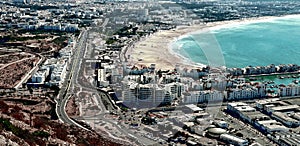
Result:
[
  {"x": 281, "y": 77},
  {"x": 252, "y": 79},
  {"x": 294, "y": 76},
  {"x": 296, "y": 81}
]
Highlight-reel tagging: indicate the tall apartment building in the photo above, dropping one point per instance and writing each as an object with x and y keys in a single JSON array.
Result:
[
  {"x": 149, "y": 93},
  {"x": 290, "y": 90},
  {"x": 175, "y": 89}
]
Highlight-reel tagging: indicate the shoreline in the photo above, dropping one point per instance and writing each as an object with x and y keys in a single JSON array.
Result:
[{"x": 145, "y": 51}]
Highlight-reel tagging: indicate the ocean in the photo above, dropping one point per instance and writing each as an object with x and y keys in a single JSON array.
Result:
[{"x": 272, "y": 41}]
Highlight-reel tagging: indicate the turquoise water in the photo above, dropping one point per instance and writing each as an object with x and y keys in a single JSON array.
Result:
[
  {"x": 287, "y": 80},
  {"x": 275, "y": 41}
]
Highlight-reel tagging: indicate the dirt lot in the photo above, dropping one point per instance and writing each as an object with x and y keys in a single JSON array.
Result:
[
  {"x": 72, "y": 109},
  {"x": 11, "y": 74}
]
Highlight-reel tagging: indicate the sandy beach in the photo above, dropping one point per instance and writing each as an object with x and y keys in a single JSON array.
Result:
[{"x": 155, "y": 49}]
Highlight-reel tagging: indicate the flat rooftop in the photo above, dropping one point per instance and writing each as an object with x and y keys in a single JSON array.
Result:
[
  {"x": 287, "y": 107},
  {"x": 193, "y": 107},
  {"x": 234, "y": 138},
  {"x": 284, "y": 117},
  {"x": 245, "y": 108},
  {"x": 235, "y": 104},
  {"x": 267, "y": 101},
  {"x": 255, "y": 115}
]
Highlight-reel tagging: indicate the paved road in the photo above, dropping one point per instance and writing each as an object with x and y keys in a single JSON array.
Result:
[
  {"x": 73, "y": 81},
  {"x": 105, "y": 22},
  {"x": 64, "y": 93}
]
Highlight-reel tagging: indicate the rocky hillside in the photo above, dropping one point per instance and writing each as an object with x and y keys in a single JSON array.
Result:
[{"x": 31, "y": 120}]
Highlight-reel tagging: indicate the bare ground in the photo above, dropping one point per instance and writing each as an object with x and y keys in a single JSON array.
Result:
[{"x": 72, "y": 109}]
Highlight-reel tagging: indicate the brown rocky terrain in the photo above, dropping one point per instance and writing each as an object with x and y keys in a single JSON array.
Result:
[
  {"x": 27, "y": 116},
  {"x": 4, "y": 59},
  {"x": 72, "y": 109},
  {"x": 11, "y": 74},
  {"x": 34, "y": 43},
  {"x": 31, "y": 120}
]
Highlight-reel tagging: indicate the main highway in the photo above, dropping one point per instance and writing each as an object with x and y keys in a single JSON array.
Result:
[
  {"x": 67, "y": 88},
  {"x": 72, "y": 82}
]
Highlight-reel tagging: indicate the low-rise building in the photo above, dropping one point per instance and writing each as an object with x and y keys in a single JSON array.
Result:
[
  {"x": 40, "y": 76},
  {"x": 58, "y": 74},
  {"x": 234, "y": 140},
  {"x": 192, "y": 108},
  {"x": 285, "y": 108},
  {"x": 286, "y": 119},
  {"x": 270, "y": 126}
]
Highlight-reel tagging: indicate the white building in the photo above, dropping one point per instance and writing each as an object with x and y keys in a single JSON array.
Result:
[
  {"x": 234, "y": 140},
  {"x": 129, "y": 92},
  {"x": 240, "y": 108},
  {"x": 160, "y": 95},
  {"x": 245, "y": 93},
  {"x": 290, "y": 90},
  {"x": 202, "y": 96},
  {"x": 58, "y": 74},
  {"x": 219, "y": 84},
  {"x": 285, "y": 119},
  {"x": 271, "y": 126},
  {"x": 151, "y": 93},
  {"x": 102, "y": 78},
  {"x": 71, "y": 27},
  {"x": 175, "y": 89},
  {"x": 40, "y": 76}
]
